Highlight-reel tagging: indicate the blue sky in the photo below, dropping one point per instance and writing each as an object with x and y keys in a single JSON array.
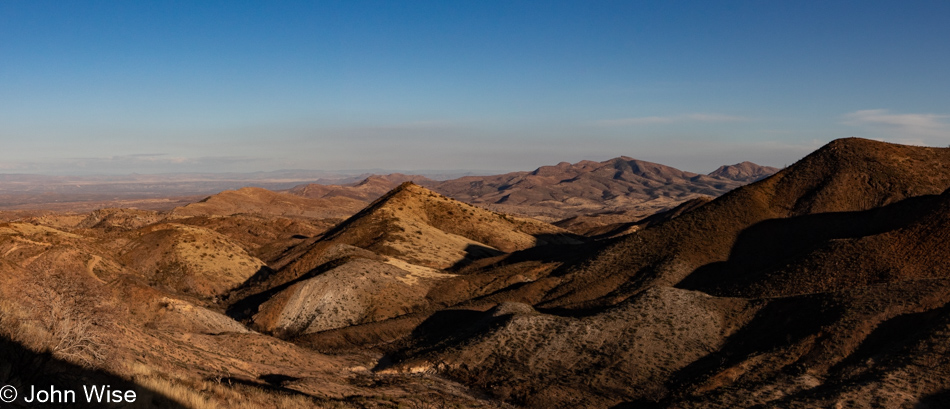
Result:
[{"x": 180, "y": 86}]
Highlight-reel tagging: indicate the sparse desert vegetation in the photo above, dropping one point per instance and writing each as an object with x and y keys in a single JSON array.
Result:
[{"x": 823, "y": 285}]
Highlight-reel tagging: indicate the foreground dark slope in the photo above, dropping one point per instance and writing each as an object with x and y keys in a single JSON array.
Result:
[
  {"x": 835, "y": 251},
  {"x": 847, "y": 175},
  {"x": 844, "y": 304}
]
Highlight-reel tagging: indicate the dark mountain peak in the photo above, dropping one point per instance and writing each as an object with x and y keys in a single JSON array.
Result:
[{"x": 858, "y": 174}]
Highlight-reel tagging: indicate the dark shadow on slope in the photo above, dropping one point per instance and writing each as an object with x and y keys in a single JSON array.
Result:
[
  {"x": 779, "y": 324},
  {"x": 441, "y": 330},
  {"x": 260, "y": 276},
  {"x": 549, "y": 248},
  {"x": 655, "y": 219},
  {"x": 446, "y": 325},
  {"x": 895, "y": 334},
  {"x": 474, "y": 252},
  {"x": 386, "y": 336},
  {"x": 246, "y": 307},
  {"x": 22, "y": 368},
  {"x": 552, "y": 239},
  {"x": 641, "y": 404},
  {"x": 938, "y": 400},
  {"x": 771, "y": 244},
  {"x": 574, "y": 312},
  {"x": 273, "y": 383},
  {"x": 891, "y": 345},
  {"x": 567, "y": 255}
]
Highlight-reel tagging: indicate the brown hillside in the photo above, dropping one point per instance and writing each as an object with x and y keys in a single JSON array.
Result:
[
  {"x": 593, "y": 225},
  {"x": 902, "y": 241},
  {"x": 356, "y": 292},
  {"x": 30, "y": 246},
  {"x": 845, "y": 175},
  {"x": 567, "y": 190},
  {"x": 666, "y": 347},
  {"x": 856, "y": 314},
  {"x": 72, "y": 316},
  {"x": 542, "y": 360},
  {"x": 382, "y": 262},
  {"x": 264, "y": 237},
  {"x": 367, "y": 190},
  {"x": 112, "y": 219},
  {"x": 876, "y": 346},
  {"x": 187, "y": 259},
  {"x": 254, "y": 200},
  {"x": 425, "y": 228},
  {"x": 744, "y": 172}
]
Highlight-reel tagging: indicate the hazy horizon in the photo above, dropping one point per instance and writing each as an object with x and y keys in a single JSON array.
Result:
[
  {"x": 121, "y": 88},
  {"x": 332, "y": 173}
]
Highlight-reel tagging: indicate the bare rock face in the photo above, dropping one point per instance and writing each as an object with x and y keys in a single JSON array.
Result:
[{"x": 356, "y": 292}]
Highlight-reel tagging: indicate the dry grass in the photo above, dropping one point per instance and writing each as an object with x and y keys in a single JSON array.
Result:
[
  {"x": 58, "y": 318},
  {"x": 202, "y": 394}
]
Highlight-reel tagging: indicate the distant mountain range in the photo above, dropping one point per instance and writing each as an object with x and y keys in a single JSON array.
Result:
[
  {"x": 823, "y": 285},
  {"x": 564, "y": 190},
  {"x": 24, "y": 191}
]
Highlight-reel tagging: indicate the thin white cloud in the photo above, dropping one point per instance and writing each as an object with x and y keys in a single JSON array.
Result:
[
  {"x": 654, "y": 120},
  {"x": 906, "y": 127}
]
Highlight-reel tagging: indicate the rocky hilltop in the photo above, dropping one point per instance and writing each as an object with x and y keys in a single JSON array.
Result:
[{"x": 823, "y": 285}]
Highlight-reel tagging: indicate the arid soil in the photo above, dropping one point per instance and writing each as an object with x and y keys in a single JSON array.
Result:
[{"x": 823, "y": 285}]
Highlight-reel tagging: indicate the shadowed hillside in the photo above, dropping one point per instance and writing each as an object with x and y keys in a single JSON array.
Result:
[
  {"x": 835, "y": 251},
  {"x": 837, "y": 282},
  {"x": 823, "y": 285},
  {"x": 382, "y": 262},
  {"x": 425, "y": 228},
  {"x": 845, "y": 175}
]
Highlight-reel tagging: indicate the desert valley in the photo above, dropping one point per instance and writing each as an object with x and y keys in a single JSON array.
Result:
[{"x": 614, "y": 284}]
